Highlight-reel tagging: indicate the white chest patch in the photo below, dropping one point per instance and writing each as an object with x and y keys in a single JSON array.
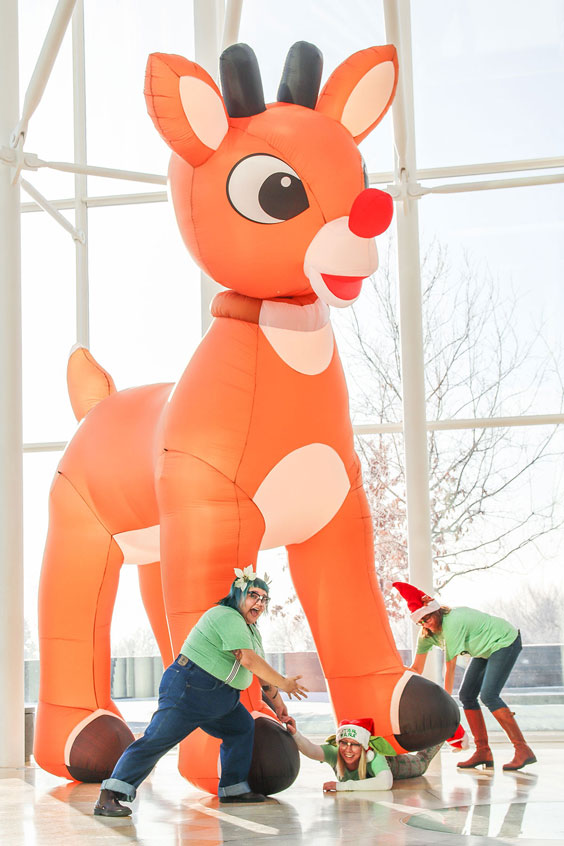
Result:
[
  {"x": 301, "y": 494},
  {"x": 302, "y": 337}
]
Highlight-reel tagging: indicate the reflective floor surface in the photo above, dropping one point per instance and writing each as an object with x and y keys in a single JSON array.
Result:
[{"x": 446, "y": 806}]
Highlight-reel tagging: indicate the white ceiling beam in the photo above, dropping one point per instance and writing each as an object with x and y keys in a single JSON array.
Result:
[
  {"x": 43, "y": 67},
  {"x": 42, "y": 201}
]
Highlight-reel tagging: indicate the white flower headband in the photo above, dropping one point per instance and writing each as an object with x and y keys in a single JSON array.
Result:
[{"x": 246, "y": 575}]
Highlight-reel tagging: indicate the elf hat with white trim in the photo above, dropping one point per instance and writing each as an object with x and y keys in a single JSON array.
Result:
[{"x": 418, "y": 602}]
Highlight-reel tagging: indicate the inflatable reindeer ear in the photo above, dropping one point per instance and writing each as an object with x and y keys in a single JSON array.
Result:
[
  {"x": 360, "y": 91},
  {"x": 186, "y": 106}
]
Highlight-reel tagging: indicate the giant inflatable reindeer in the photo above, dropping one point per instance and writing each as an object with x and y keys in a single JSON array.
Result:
[{"x": 253, "y": 447}]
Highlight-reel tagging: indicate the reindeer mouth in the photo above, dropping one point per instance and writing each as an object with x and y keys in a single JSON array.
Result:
[{"x": 343, "y": 287}]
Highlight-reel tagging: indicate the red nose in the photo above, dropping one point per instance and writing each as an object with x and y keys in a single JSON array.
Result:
[{"x": 371, "y": 213}]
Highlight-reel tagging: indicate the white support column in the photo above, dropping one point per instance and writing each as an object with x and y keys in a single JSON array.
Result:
[
  {"x": 80, "y": 180},
  {"x": 398, "y": 28},
  {"x": 11, "y": 485},
  {"x": 232, "y": 23},
  {"x": 208, "y": 28}
]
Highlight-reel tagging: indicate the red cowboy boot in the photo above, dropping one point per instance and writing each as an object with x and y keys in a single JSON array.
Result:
[
  {"x": 483, "y": 754},
  {"x": 523, "y": 753}
]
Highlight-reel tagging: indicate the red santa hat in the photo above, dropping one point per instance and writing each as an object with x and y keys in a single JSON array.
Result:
[
  {"x": 419, "y": 603},
  {"x": 358, "y": 730},
  {"x": 459, "y": 740}
]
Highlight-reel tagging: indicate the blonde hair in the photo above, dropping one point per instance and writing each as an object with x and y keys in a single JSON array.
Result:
[{"x": 341, "y": 766}]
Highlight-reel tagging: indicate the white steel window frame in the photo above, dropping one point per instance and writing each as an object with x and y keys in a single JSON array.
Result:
[{"x": 216, "y": 25}]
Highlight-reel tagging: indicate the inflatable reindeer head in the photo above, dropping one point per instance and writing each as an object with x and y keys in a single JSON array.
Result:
[{"x": 271, "y": 199}]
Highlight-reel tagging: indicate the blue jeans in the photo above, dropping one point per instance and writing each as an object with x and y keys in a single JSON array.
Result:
[
  {"x": 190, "y": 698},
  {"x": 486, "y": 677}
]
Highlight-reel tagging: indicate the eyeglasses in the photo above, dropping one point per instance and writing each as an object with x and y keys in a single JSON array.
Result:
[
  {"x": 350, "y": 743},
  {"x": 259, "y": 597}
]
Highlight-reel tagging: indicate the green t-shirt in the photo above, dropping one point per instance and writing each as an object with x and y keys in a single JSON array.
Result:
[
  {"x": 466, "y": 630},
  {"x": 374, "y": 767},
  {"x": 210, "y": 643}
]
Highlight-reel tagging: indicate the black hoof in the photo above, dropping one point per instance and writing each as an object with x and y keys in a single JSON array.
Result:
[
  {"x": 276, "y": 760},
  {"x": 427, "y": 715},
  {"x": 96, "y": 749}
]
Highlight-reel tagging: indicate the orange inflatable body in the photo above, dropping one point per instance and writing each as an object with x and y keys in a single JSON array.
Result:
[{"x": 253, "y": 447}]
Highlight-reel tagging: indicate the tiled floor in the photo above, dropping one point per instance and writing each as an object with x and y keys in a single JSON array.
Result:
[{"x": 445, "y": 806}]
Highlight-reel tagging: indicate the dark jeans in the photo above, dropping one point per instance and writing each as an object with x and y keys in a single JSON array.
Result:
[
  {"x": 190, "y": 698},
  {"x": 487, "y": 676}
]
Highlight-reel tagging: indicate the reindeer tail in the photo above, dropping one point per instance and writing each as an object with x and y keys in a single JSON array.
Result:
[{"x": 87, "y": 381}]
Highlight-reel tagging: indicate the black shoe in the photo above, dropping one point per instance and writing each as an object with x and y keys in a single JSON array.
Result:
[
  {"x": 108, "y": 805},
  {"x": 249, "y": 796}
]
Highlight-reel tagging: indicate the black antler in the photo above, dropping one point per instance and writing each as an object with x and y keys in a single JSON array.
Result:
[
  {"x": 302, "y": 75},
  {"x": 240, "y": 81}
]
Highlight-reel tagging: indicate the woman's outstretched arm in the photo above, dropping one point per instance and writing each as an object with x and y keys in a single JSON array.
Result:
[
  {"x": 304, "y": 744},
  {"x": 381, "y": 781},
  {"x": 257, "y": 665}
]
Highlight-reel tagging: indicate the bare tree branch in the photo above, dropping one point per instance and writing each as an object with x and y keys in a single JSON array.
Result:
[{"x": 476, "y": 364}]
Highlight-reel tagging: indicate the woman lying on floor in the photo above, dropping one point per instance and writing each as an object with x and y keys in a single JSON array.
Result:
[{"x": 360, "y": 760}]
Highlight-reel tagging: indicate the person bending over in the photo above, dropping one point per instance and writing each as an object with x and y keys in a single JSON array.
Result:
[{"x": 494, "y": 645}]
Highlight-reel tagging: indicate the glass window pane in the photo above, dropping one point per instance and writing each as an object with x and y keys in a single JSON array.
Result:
[
  {"x": 284, "y": 628},
  {"x": 119, "y": 38},
  {"x": 501, "y": 520},
  {"x": 494, "y": 320},
  {"x": 368, "y": 341},
  {"x": 496, "y": 523},
  {"x": 131, "y": 633},
  {"x": 487, "y": 77},
  {"x": 144, "y": 293},
  {"x": 338, "y": 30},
  {"x": 48, "y": 313},
  {"x": 39, "y": 471},
  {"x": 382, "y": 463}
]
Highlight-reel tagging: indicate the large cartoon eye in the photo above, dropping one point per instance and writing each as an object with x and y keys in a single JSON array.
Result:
[{"x": 266, "y": 189}]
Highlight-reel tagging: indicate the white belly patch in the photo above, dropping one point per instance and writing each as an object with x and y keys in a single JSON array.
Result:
[
  {"x": 140, "y": 546},
  {"x": 301, "y": 494}
]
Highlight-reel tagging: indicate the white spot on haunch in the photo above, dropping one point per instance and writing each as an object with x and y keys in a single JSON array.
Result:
[{"x": 301, "y": 495}]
